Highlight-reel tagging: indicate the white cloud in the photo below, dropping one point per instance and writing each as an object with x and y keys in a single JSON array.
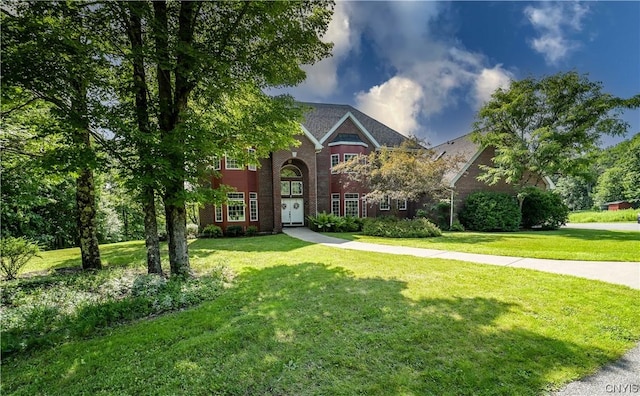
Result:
[
  {"x": 322, "y": 77},
  {"x": 396, "y": 103},
  {"x": 488, "y": 81},
  {"x": 554, "y": 22}
]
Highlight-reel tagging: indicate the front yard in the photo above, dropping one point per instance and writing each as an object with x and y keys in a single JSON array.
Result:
[
  {"x": 563, "y": 244},
  {"x": 307, "y": 319}
]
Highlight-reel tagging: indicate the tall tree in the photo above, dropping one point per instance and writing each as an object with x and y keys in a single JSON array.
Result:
[
  {"x": 208, "y": 52},
  {"x": 48, "y": 51},
  {"x": 547, "y": 127}
]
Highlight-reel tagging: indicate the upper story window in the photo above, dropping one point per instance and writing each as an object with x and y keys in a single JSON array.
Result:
[
  {"x": 349, "y": 157},
  {"x": 216, "y": 163},
  {"x": 231, "y": 163},
  {"x": 290, "y": 172},
  {"x": 335, "y": 160},
  {"x": 252, "y": 166}
]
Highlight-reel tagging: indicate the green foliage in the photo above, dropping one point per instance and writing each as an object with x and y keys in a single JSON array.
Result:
[
  {"x": 546, "y": 126},
  {"x": 620, "y": 179},
  {"x": 192, "y": 230},
  {"x": 49, "y": 310},
  {"x": 14, "y": 254},
  {"x": 392, "y": 227},
  {"x": 438, "y": 213},
  {"x": 407, "y": 172},
  {"x": 234, "y": 231},
  {"x": 456, "y": 226},
  {"x": 604, "y": 216},
  {"x": 328, "y": 222},
  {"x": 575, "y": 192},
  {"x": 490, "y": 211},
  {"x": 543, "y": 209},
  {"x": 212, "y": 231},
  {"x": 251, "y": 231}
]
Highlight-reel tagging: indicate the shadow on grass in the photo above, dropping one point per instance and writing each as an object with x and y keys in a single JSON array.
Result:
[{"x": 313, "y": 329}]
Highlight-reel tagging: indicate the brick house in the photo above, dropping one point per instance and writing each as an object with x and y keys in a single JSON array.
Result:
[
  {"x": 295, "y": 183},
  {"x": 465, "y": 181}
]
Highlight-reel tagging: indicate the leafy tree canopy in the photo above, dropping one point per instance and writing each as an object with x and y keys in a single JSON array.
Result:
[
  {"x": 406, "y": 172},
  {"x": 547, "y": 126}
]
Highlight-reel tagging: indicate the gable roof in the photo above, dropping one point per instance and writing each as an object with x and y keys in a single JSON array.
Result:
[
  {"x": 465, "y": 148},
  {"x": 322, "y": 119},
  {"x": 468, "y": 151}
]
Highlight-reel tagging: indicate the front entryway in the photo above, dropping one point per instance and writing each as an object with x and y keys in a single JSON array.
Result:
[
  {"x": 292, "y": 211},
  {"x": 291, "y": 196}
]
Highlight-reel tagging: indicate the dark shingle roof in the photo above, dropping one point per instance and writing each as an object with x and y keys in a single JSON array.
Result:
[
  {"x": 462, "y": 147},
  {"x": 322, "y": 117}
]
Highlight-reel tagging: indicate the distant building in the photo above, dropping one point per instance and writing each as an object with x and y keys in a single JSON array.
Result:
[{"x": 617, "y": 205}]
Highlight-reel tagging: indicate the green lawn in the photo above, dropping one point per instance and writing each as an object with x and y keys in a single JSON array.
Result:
[
  {"x": 604, "y": 216},
  {"x": 563, "y": 244},
  {"x": 305, "y": 319}
]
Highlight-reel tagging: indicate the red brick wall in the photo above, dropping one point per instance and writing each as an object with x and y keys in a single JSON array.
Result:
[{"x": 469, "y": 182}]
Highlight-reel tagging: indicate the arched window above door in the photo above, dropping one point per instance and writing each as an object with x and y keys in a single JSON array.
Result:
[{"x": 290, "y": 172}]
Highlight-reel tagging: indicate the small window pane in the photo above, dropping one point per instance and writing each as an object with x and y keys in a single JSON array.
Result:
[
  {"x": 285, "y": 188},
  {"x": 296, "y": 188}
]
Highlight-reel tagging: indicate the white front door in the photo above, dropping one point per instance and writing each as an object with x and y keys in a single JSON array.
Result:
[{"x": 292, "y": 211}]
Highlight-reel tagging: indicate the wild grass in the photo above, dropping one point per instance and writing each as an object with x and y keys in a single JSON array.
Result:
[
  {"x": 604, "y": 216},
  {"x": 563, "y": 244},
  {"x": 307, "y": 320}
]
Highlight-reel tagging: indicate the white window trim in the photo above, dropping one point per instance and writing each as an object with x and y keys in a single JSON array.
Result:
[
  {"x": 388, "y": 205},
  {"x": 218, "y": 213},
  {"x": 226, "y": 163},
  {"x": 344, "y": 156},
  {"x": 252, "y": 167},
  {"x": 335, "y": 198},
  {"x": 337, "y": 162},
  {"x": 244, "y": 211},
  {"x": 364, "y": 207},
  {"x": 404, "y": 204},
  {"x": 355, "y": 198},
  {"x": 217, "y": 163},
  {"x": 253, "y": 200}
]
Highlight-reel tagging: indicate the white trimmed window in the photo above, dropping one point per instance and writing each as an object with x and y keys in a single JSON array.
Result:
[
  {"x": 218, "y": 211},
  {"x": 335, "y": 160},
  {"x": 253, "y": 206},
  {"x": 235, "y": 207},
  {"x": 364, "y": 207},
  {"x": 216, "y": 163},
  {"x": 335, "y": 204},
  {"x": 231, "y": 163},
  {"x": 402, "y": 204},
  {"x": 352, "y": 205},
  {"x": 349, "y": 157},
  {"x": 385, "y": 204},
  {"x": 252, "y": 166}
]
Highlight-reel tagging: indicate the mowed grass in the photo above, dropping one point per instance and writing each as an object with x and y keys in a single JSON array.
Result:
[
  {"x": 312, "y": 320},
  {"x": 563, "y": 244},
  {"x": 604, "y": 216}
]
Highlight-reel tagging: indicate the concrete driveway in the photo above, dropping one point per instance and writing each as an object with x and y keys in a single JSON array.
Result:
[{"x": 605, "y": 226}]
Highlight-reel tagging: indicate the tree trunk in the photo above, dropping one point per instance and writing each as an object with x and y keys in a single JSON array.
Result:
[
  {"x": 172, "y": 139},
  {"x": 176, "y": 217},
  {"x": 152, "y": 242},
  {"x": 86, "y": 207}
]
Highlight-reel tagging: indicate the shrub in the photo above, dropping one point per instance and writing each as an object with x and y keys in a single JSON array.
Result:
[
  {"x": 234, "y": 231},
  {"x": 391, "y": 227},
  {"x": 328, "y": 222},
  {"x": 543, "y": 209},
  {"x": 14, "y": 254},
  {"x": 212, "y": 231},
  {"x": 490, "y": 211},
  {"x": 456, "y": 226},
  {"x": 439, "y": 214},
  {"x": 251, "y": 231},
  {"x": 192, "y": 230},
  {"x": 48, "y": 310}
]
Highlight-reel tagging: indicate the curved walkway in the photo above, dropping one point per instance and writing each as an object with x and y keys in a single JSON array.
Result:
[
  {"x": 621, "y": 273},
  {"x": 620, "y": 377}
]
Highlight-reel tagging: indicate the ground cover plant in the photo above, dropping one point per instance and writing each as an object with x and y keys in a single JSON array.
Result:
[
  {"x": 393, "y": 227},
  {"x": 563, "y": 244},
  {"x": 308, "y": 319},
  {"x": 604, "y": 216}
]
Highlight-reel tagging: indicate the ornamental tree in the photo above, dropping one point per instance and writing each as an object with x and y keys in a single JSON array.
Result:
[{"x": 406, "y": 172}]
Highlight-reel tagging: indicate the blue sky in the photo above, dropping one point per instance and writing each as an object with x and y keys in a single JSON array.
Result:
[{"x": 424, "y": 68}]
